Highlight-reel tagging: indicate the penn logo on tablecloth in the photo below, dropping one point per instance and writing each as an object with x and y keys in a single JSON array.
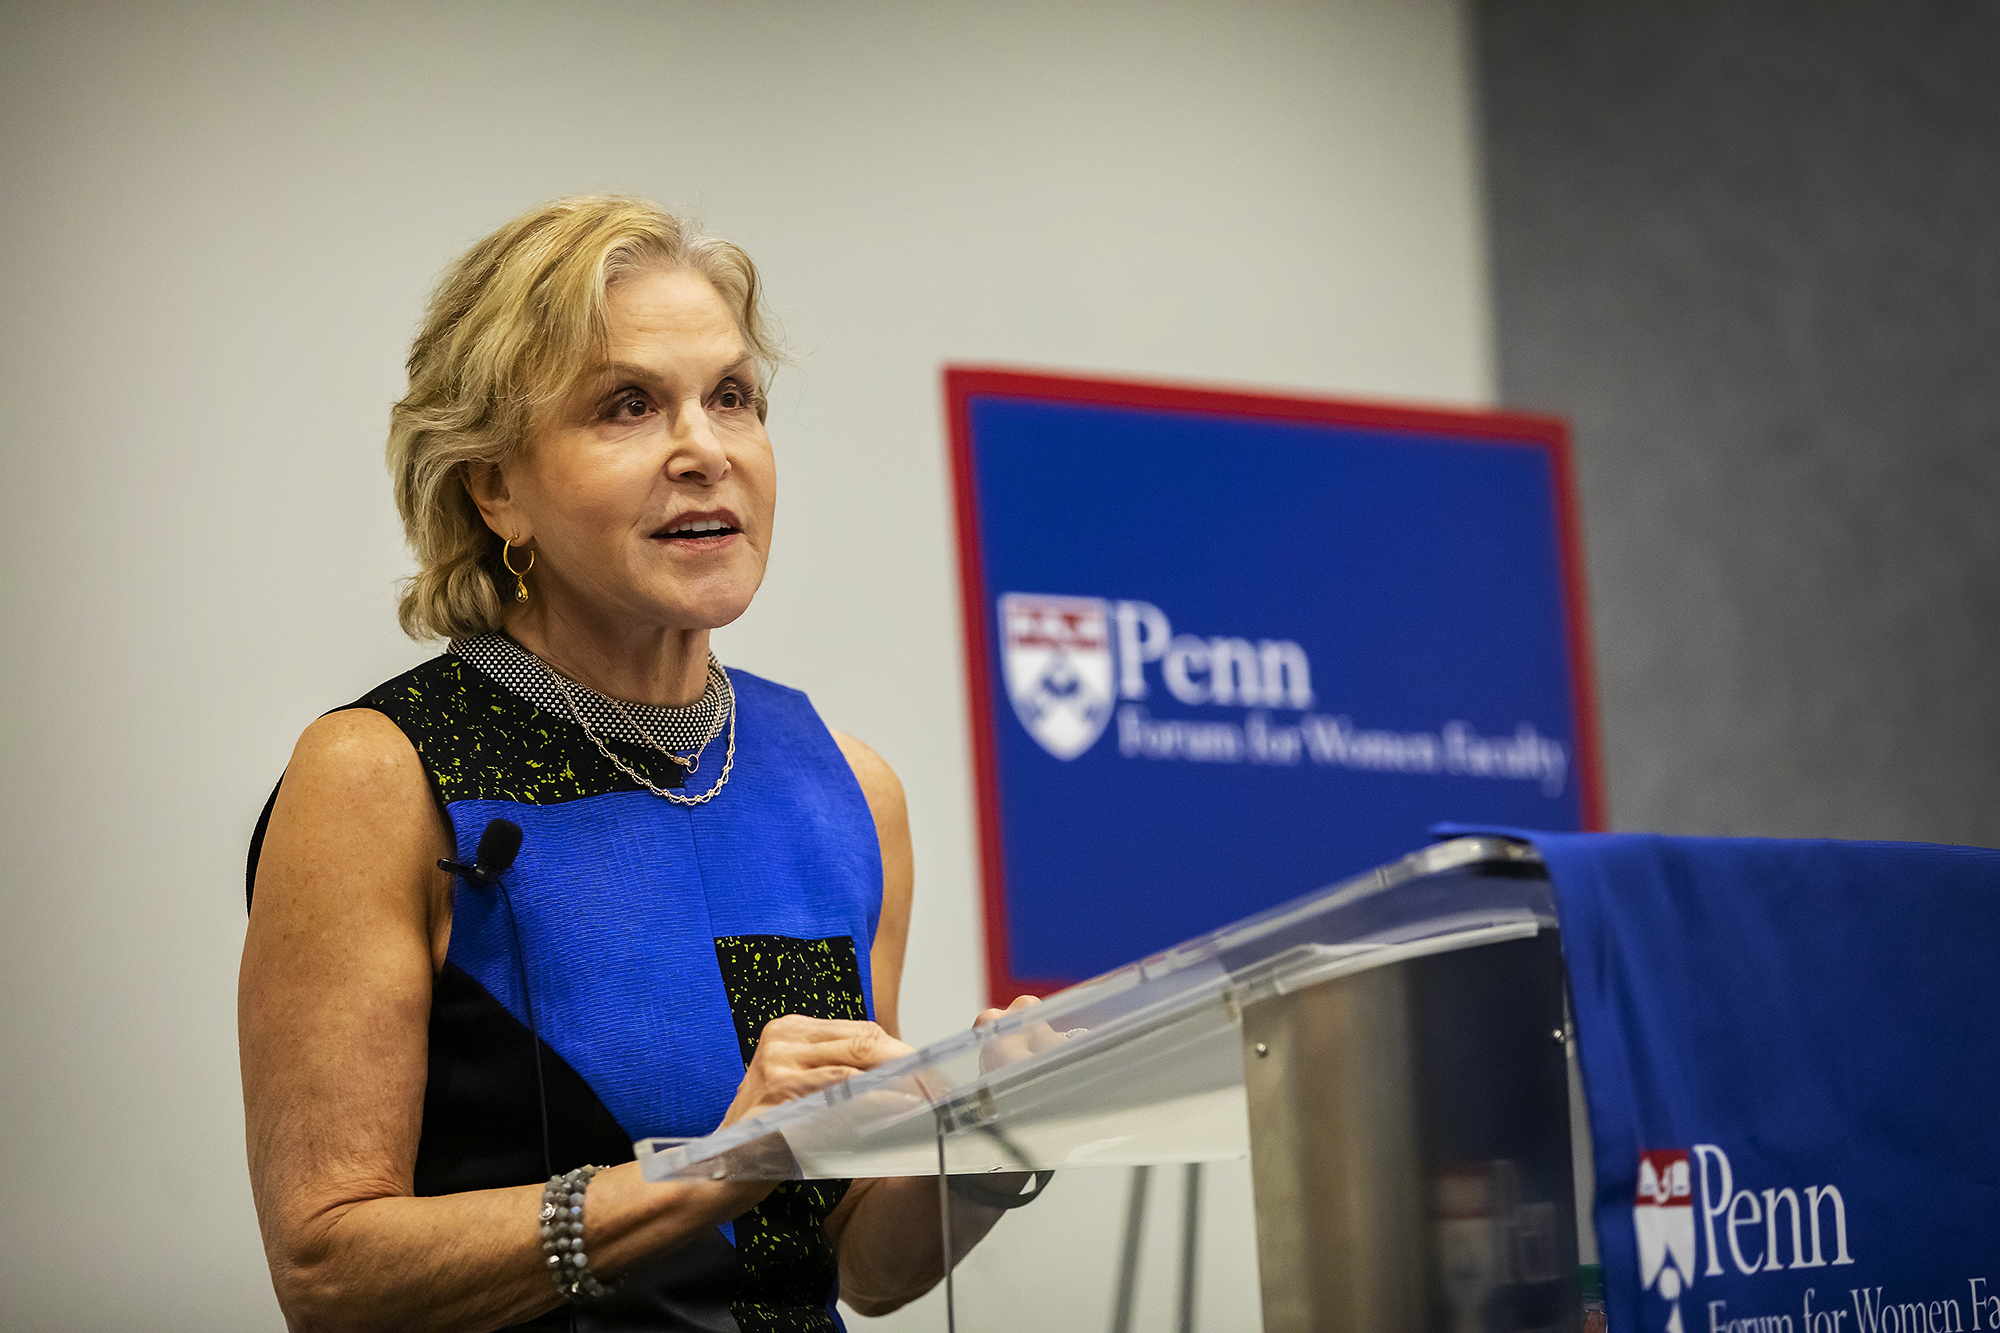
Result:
[
  {"x": 1663, "y": 1217},
  {"x": 1070, "y": 663},
  {"x": 1756, "y": 1231}
]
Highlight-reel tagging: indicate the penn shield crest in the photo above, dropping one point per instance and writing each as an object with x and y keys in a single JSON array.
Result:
[
  {"x": 1056, "y": 652},
  {"x": 1663, "y": 1217}
]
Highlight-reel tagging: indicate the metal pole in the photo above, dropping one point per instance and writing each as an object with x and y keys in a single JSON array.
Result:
[
  {"x": 944, "y": 1234},
  {"x": 1128, "y": 1269},
  {"x": 1190, "y": 1242}
]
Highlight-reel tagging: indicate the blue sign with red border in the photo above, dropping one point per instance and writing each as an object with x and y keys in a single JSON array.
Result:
[{"x": 1225, "y": 648}]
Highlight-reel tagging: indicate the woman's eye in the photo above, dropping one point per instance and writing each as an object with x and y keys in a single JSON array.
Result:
[
  {"x": 732, "y": 397},
  {"x": 632, "y": 405}
]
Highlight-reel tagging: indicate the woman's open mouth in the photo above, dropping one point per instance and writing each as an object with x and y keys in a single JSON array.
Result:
[{"x": 699, "y": 531}]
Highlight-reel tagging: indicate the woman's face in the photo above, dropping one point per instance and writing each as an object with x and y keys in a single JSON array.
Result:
[{"x": 649, "y": 492}]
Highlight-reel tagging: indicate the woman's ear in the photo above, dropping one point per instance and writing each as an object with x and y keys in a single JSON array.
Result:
[{"x": 487, "y": 485}]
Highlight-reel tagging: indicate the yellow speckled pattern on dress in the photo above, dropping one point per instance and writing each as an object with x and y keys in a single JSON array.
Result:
[
  {"x": 480, "y": 742},
  {"x": 781, "y": 1243}
]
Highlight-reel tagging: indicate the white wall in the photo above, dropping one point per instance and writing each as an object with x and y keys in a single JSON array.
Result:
[{"x": 219, "y": 225}]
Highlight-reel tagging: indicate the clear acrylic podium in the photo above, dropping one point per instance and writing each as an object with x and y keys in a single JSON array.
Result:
[{"x": 1390, "y": 1052}]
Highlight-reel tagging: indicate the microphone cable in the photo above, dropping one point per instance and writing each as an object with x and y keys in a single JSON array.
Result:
[{"x": 498, "y": 846}]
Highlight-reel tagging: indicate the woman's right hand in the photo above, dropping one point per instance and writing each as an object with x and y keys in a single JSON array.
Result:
[{"x": 796, "y": 1056}]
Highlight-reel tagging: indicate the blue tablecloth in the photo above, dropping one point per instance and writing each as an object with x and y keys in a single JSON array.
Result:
[{"x": 1791, "y": 1058}]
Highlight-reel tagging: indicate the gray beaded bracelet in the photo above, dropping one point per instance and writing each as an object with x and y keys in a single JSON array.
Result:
[{"x": 562, "y": 1234}]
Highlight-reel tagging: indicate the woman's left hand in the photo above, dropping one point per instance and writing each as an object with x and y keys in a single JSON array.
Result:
[
  {"x": 887, "y": 1230},
  {"x": 1024, "y": 1041}
]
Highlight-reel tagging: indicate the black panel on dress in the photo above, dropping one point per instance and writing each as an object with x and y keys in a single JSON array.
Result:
[
  {"x": 482, "y": 1119},
  {"x": 257, "y": 844},
  {"x": 483, "y": 1130},
  {"x": 781, "y": 1243},
  {"x": 769, "y": 976}
]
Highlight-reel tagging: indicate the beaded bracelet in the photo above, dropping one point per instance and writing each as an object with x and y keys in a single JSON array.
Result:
[{"x": 562, "y": 1234}]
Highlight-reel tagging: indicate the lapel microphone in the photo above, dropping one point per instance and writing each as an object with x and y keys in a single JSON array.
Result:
[{"x": 498, "y": 846}]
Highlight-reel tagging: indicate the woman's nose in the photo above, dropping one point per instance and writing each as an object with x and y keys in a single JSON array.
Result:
[{"x": 698, "y": 455}]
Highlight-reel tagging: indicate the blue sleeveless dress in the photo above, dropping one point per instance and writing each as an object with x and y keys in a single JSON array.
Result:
[{"x": 655, "y": 941}]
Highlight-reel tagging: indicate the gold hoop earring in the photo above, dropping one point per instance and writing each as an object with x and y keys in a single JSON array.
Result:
[{"x": 520, "y": 575}]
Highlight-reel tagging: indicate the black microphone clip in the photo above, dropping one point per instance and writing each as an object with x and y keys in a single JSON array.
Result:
[{"x": 498, "y": 846}]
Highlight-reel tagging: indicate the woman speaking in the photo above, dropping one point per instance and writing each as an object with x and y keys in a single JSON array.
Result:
[{"x": 444, "y": 1067}]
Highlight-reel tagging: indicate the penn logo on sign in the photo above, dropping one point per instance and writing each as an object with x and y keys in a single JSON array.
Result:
[
  {"x": 1071, "y": 662},
  {"x": 1056, "y": 653}
]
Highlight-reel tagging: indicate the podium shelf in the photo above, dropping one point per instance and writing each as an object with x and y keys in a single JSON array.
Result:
[{"x": 1141, "y": 1065}]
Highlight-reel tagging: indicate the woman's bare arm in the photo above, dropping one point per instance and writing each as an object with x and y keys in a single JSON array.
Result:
[
  {"x": 886, "y": 1231},
  {"x": 346, "y": 932},
  {"x": 892, "y": 832}
]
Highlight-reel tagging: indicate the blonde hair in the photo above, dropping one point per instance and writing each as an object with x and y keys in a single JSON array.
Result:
[{"x": 511, "y": 326}]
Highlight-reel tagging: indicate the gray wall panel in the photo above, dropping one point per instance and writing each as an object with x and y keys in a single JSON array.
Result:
[{"x": 1753, "y": 252}]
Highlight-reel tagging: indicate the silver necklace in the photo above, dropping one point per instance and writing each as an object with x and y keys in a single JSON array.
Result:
[
  {"x": 563, "y": 686},
  {"x": 690, "y": 762}
]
